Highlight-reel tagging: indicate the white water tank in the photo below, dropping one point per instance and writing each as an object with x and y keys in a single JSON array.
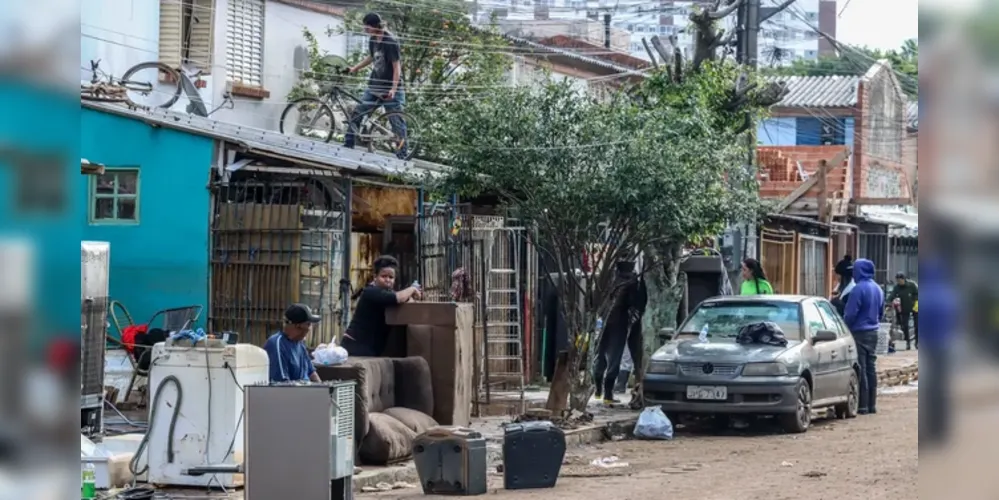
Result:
[{"x": 209, "y": 429}]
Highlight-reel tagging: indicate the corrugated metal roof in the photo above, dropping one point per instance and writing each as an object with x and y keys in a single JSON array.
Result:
[
  {"x": 836, "y": 91},
  {"x": 902, "y": 223},
  {"x": 294, "y": 148},
  {"x": 912, "y": 115}
]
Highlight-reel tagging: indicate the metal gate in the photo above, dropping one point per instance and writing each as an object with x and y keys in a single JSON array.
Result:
[
  {"x": 275, "y": 241},
  {"x": 814, "y": 264},
  {"x": 492, "y": 256},
  {"x": 777, "y": 259},
  {"x": 876, "y": 247}
]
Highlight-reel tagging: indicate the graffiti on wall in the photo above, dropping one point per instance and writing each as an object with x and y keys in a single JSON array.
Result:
[{"x": 884, "y": 182}]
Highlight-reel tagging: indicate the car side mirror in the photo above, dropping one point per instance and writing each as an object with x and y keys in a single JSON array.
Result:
[
  {"x": 665, "y": 335},
  {"x": 824, "y": 336}
]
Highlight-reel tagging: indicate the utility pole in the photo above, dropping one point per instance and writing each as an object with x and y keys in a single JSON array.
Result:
[
  {"x": 607, "y": 30},
  {"x": 752, "y": 31},
  {"x": 747, "y": 52}
]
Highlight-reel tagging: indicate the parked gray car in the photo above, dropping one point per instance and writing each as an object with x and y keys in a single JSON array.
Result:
[{"x": 817, "y": 369}]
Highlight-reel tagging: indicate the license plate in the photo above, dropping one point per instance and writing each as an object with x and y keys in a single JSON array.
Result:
[{"x": 709, "y": 392}]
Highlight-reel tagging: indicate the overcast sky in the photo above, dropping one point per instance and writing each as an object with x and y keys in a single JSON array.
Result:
[{"x": 879, "y": 24}]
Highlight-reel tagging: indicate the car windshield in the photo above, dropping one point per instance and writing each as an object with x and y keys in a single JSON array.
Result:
[{"x": 724, "y": 319}]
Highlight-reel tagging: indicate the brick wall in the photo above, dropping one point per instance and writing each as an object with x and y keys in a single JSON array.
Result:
[
  {"x": 879, "y": 132},
  {"x": 779, "y": 163}
]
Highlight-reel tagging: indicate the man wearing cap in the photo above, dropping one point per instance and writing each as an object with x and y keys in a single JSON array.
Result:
[
  {"x": 290, "y": 360},
  {"x": 385, "y": 84}
]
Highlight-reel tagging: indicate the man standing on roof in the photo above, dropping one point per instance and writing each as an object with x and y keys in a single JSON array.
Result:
[
  {"x": 385, "y": 85},
  {"x": 865, "y": 307}
]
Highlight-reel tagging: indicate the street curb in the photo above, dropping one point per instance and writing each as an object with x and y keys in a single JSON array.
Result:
[
  {"x": 898, "y": 376},
  {"x": 574, "y": 438}
]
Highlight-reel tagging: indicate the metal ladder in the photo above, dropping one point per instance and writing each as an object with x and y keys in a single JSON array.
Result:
[{"x": 504, "y": 327}]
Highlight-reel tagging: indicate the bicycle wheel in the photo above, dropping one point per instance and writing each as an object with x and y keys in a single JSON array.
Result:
[
  {"x": 308, "y": 117},
  {"x": 399, "y": 138},
  {"x": 152, "y": 87}
]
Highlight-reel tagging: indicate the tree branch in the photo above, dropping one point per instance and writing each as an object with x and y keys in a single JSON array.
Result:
[
  {"x": 778, "y": 9},
  {"x": 722, "y": 13}
]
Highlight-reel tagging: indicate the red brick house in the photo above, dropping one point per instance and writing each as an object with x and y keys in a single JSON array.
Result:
[{"x": 832, "y": 146}]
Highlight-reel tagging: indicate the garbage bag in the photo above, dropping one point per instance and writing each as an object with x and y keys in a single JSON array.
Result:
[
  {"x": 766, "y": 332},
  {"x": 653, "y": 424},
  {"x": 329, "y": 354}
]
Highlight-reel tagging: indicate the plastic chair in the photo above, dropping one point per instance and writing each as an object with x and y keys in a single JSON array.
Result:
[{"x": 174, "y": 319}]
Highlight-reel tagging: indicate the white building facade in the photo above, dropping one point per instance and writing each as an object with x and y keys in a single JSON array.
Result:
[
  {"x": 785, "y": 37},
  {"x": 251, "y": 50}
]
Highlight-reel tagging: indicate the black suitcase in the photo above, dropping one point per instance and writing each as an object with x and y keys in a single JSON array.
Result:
[
  {"x": 451, "y": 461},
  {"x": 532, "y": 455}
]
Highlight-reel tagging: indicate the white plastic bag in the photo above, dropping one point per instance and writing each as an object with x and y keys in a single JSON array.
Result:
[
  {"x": 653, "y": 424},
  {"x": 330, "y": 354}
]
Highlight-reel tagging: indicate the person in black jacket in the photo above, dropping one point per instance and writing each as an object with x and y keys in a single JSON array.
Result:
[
  {"x": 906, "y": 294},
  {"x": 846, "y": 284},
  {"x": 617, "y": 330}
]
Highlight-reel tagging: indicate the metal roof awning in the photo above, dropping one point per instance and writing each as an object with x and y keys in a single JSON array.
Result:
[
  {"x": 274, "y": 144},
  {"x": 901, "y": 224}
]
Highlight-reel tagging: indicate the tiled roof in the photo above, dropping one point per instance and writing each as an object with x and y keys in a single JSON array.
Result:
[
  {"x": 912, "y": 115},
  {"x": 528, "y": 47},
  {"x": 588, "y": 49},
  {"x": 836, "y": 91}
]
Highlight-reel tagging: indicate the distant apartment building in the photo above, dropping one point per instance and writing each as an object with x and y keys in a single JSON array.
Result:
[{"x": 785, "y": 37}]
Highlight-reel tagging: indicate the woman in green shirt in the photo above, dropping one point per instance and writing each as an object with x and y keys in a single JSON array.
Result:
[{"x": 754, "y": 281}]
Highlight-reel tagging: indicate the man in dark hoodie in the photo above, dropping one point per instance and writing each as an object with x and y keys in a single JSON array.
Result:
[{"x": 863, "y": 313}]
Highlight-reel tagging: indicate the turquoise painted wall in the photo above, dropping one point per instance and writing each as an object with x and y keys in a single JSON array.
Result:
[
  {"x": 162, "y": 261},
  {"x": 43, "y": 120}
]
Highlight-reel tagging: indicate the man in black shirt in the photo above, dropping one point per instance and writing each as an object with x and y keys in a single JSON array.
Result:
[{"x": 385, "y": 85}]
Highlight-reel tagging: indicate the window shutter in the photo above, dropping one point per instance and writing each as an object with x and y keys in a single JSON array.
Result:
[
  {"x": 200, "y": 54},
  {"x": 171, "y": 32},
  {"x": 245, "y": 42}
]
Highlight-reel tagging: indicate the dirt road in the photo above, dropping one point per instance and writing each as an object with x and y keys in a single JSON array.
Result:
[{"x": 871, "y": 457}]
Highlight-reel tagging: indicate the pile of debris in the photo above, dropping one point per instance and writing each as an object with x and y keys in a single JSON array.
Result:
[{"x": 567, "y": 420}]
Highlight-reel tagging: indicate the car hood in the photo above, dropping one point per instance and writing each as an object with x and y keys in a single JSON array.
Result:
[{"x": 717, "y": 352}]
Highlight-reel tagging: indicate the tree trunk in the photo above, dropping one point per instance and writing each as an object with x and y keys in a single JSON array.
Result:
[
  {"x": 558, "y": 393},
  {"x": 664, "y": 287}
]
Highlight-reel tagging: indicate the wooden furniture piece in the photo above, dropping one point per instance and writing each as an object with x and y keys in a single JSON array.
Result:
[{"x": 442, "y": 334}]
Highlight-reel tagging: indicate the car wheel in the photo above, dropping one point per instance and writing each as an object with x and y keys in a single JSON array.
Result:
[
  {"x": 799, "y": 421},
  {"x": 852, "y": 404}
]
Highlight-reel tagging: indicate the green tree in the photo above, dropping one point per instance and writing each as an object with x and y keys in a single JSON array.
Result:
[
  {"x": 610, "y": 177},
  {"x": 857, "y": 60}
]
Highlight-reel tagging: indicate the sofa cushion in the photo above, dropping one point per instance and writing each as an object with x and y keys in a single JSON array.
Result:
[
  {"x": 413, "y": 384},
  {"x": 388, "y": 440},
  {"x": 414, "y": 419}
]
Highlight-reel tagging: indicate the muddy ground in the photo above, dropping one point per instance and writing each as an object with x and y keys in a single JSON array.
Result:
[{"x": 871, "y": 457}]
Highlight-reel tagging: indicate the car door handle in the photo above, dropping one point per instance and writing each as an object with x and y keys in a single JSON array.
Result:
[
  {"x": 850, "y": 348},
  {"x": 834, "y": 354}
]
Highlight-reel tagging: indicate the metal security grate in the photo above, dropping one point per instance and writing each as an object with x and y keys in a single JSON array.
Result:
[
  {"x": 92, "y": 345},
  {"x": 717, "y": 370},
  {"x": 344, "y": 398}
]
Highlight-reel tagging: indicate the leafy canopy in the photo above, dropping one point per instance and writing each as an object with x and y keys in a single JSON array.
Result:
[{"x": 663, "y": 162}]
